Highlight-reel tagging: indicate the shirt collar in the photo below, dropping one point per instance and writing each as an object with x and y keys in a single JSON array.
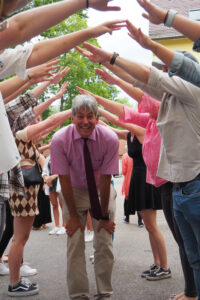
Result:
[{"x": 77, "y": 136}]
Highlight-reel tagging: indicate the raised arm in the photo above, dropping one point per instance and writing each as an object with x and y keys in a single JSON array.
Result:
[
  {"x": 134, "y": 69},
  {"x": 122, "y": 134},
  {"x": 39, "y": 109},
  {"x": 179, "y": 64},
  {"x": 157, "y": 15},
  {"x": 48, "y": 49},
  {"x": 14, "y": 86},
  {"x": 133, "y": 92},
  {"x": 115, "y": 107},
  {"x": 134, "y": 129},
  {"x": 32, "y": 22},
  {"x": 48, "y": 125}
]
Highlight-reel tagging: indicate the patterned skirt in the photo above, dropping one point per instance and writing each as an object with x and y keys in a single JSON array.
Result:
[{"x": 23, "y": 207}]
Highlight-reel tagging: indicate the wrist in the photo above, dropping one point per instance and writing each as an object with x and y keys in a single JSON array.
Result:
[
  {"x": 113, "y": 58},
  {"x": 169, "y": 17},
  {"x": 105, "y": 217},
  {"x": 154, "y": 47}
]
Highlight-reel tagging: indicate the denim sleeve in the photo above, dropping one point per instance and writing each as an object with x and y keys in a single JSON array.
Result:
[{"x": 185, "y": 68}]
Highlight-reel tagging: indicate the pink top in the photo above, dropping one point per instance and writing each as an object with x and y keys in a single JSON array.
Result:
[
  {"x": 67, "y": 154},
  {"x": 152, "y": 139},
  {"x": 127, "y": 167}
]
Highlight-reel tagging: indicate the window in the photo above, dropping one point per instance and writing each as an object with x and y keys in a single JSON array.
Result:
[{"x": 194, "y": 14}]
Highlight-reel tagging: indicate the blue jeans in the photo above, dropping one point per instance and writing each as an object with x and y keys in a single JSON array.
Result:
[{"x": 186, "y": 204}]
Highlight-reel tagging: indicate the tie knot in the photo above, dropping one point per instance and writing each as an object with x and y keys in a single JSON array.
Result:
[{"x": 85, "y": 140}]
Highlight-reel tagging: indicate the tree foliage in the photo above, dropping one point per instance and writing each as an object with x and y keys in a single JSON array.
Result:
[{"x": 82, "y": 70}]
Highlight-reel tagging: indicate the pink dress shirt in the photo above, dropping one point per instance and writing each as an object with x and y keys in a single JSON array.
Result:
[
  {"x": 67, "y": 154},
  {"x": 127, "y": 167},
  {"x": 148, "y": 108}
]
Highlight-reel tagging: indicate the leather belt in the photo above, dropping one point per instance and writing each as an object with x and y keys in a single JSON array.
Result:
[{"x": 179, "y": 185}]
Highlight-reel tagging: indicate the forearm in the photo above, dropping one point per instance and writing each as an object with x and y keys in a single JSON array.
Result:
[
  {"x": 39, "y": 109},
  {"x": 67, "y": 192},
  {"x": 162, "y": 52},
  {"x": 119, "y": 72},
  {"x": 9, "y": 86},
  {"x": 104, "y": 188},
  {"x": 48, "y": 125},
  {"x": 114, "y": 107},
  {"x": 18, "y": 92},
  {"x": 128, "y": 88},
  {"x": 40, "y": 88},
  {"x": 188, "y": 27},
  {"x": 43, "y": 148},
  {"x": 136, "y": 70},
  {"x": 109, "y": 116},
  {"x": 42, "y": 161},
  {"x": 135, "y": 130},
  {"x": 48, "y": 49},
  {"x": 34, "y": 21}
]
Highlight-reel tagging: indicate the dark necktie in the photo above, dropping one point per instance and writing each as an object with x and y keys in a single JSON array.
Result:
[{"x": 92, "y": 189}]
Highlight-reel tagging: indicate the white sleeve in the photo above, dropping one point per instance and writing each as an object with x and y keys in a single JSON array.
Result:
[{"x": 13, "y": 61}]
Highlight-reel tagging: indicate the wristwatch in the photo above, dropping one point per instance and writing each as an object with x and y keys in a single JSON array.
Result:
[{"x": 106, "y": 217}]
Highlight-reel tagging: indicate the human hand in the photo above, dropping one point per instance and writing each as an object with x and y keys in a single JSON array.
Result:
[
  {"x": 139, "y": 36},
  {"x": 108, "y": 225},
  {"x": 108, "y": 27},
  {"x": 49, "y": 181},
  {"x": 156, "y": 15},
  {"x": 41, "y": 72},
  {"x": 105, "y": 76},
  {"x": 103, "y": 5},
  {"x": 94, "y": 53},
  {"x": 84, "y": 92},
  {"x": 62, "y": 90},
  {"x": 59, "y": 76},
  {"x": 72, "y": 225}
]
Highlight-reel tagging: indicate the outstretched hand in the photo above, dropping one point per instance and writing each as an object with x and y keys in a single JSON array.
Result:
[
  {"x": 94, "y": 53},
  {"x": 105, "y": 76},
  {"x": 41, "y": 72},
  {"x": 108, "y": 27},
  {"x": 103, "y": 5},
  {"x": 62, "y": 90},
  {"x": 139, "y": 36},
  {"x": 59, "y": 76},
  {"x": 84, "y": 92},
  {"x": 156, "y": 15}
]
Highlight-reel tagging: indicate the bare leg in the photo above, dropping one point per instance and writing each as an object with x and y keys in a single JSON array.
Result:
[
  {"x": 155, "y": 236},
  {"x": 61, "y": 206},
  {"x": 54, "y": 202},
  {"x": 22, "y": 228}
]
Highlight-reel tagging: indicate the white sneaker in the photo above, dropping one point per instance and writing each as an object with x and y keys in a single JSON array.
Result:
[
  {"x": 26, "y": 270},
  {"x": 89, "y": 235},
  {"x": 61, "y": 231},
  {"x": 3, "y": 269},
  {"x": 54, "y": 230}
]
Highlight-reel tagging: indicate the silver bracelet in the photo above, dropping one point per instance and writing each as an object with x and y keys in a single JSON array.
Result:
[{"x": 170, "y": 17}]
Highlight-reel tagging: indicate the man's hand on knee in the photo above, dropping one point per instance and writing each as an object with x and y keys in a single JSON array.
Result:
[
  {"x": 72, "y": 225},
  {"x": 108, "y": 225}
]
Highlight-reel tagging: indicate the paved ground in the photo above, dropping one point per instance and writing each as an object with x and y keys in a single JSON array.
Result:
[{"x": 132, "y": 253}]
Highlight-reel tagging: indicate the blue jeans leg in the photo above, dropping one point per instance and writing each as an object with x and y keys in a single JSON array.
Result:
[{"x": 187, "y": 214}]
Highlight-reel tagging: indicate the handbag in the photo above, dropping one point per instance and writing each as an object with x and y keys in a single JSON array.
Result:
[{"x": 33, "y": 175}]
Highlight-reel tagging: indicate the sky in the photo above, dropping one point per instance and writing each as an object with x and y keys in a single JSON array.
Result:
[{"x": 119, "y": 41}]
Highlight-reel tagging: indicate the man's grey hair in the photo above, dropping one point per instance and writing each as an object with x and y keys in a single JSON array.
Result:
[{"x": 84, "y": 102}]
